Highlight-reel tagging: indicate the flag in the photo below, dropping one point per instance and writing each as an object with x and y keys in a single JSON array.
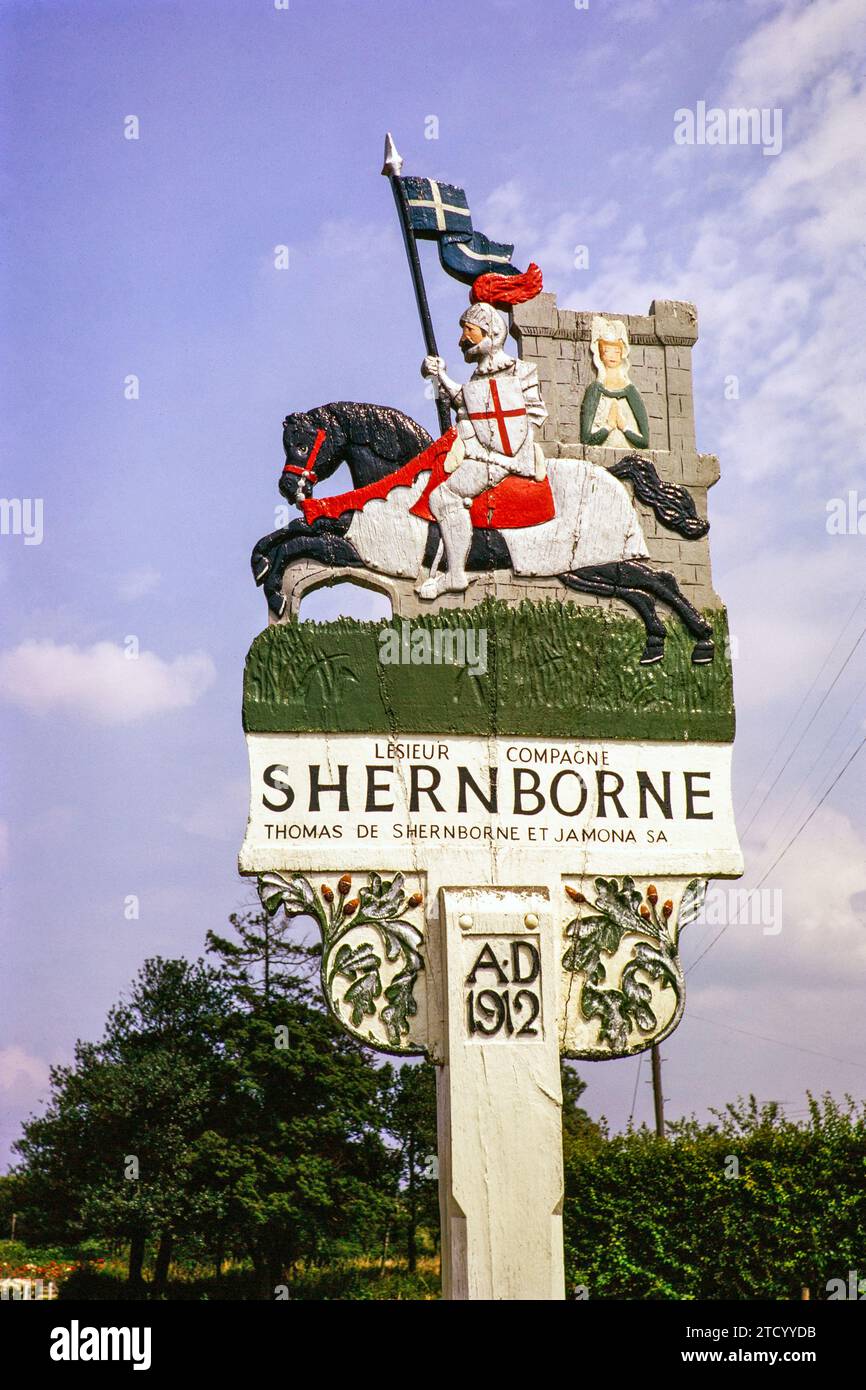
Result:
[
  {"x": 478, "y": 255},
  {"x": 440, "y": 212},
  {"x": 437, "y": 208}
]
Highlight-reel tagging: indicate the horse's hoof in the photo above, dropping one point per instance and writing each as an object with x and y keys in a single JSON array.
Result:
[
  {"x": 259, "y": 575},
  {"x": 442, "y": 583},
  {"x": 703, "y": 653},
  {"x": 653, "y": 651}
]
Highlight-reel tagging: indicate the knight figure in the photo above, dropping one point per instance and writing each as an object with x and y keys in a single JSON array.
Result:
[{"x": 497, "y": 409}]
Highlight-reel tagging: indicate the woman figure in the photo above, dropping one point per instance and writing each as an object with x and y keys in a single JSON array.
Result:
[{"x": 613, "y": 413}]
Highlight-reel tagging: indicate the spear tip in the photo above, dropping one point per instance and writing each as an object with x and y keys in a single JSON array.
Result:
[{"x": 393, "y": 159}]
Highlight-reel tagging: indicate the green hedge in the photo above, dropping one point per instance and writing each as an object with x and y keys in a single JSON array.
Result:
[{"x": 749, "y": 1207}]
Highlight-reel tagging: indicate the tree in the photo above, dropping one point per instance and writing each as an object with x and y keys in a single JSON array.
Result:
[
  {"x": 224, "y": 1106},
  {"x": 265, "y": 963},
  {"x": 10, "y": 1204},
  {"x": 110, "y": 1155},
  {"x": 298, "y": 1153},
  {"x": 579, "y": 1130},
  {"x": 410, "y": 1118}
]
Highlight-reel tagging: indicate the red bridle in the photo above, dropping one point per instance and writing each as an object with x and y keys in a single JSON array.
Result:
[{"x": 307, "y": 470}]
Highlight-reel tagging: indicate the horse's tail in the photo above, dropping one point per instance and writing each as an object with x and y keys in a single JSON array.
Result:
[{"x": 673, "y": 505}]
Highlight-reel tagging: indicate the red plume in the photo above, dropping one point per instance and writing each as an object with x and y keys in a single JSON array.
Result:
[{"x": 507, "y": 289}]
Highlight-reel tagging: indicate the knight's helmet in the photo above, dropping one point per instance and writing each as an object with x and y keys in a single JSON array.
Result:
[{"x": 491, "y": 290}]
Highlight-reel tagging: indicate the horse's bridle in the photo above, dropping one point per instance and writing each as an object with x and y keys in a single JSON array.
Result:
[{"x": 307, "y": 473}]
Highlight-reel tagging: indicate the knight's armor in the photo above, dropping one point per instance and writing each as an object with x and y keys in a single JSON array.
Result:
[{"x": 498, "y": 410}]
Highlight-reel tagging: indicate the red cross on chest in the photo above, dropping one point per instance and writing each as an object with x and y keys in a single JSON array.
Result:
[{"x": 500, "y": 416}]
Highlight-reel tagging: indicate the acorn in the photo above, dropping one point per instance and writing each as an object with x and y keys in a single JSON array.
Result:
[
  {"x": 652, "y": 894},
  {"x": 574, "y": 895},
  {"x": 344, "y": 884},
  {"x": 416, "y": 900},
  {"x": 644, "y": 911},
  {"x": 327, "y": 893},
  {"x": 351, "y": 906},
  {"x": 667, "y": 909}
]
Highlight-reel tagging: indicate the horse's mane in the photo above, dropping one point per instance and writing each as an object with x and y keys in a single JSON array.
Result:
[{"x": 390, "y": 433}]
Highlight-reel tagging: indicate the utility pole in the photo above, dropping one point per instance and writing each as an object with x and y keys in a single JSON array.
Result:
[{"x": 658, "y": 1098}]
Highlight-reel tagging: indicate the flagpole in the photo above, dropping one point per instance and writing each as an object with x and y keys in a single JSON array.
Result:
[{"x": 391, "y": 168}]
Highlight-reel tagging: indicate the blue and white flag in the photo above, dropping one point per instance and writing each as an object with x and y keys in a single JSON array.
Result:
[
  {"x": 436, "y": 209},
  {"x": 440, "y": 212},
  {"x": 478, "y": 255}
]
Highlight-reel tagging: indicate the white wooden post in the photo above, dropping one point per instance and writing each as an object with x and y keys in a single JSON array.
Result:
[{"x": 500, "y": 1099}]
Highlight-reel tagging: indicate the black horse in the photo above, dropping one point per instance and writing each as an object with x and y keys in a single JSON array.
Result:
[{"x": 375, "y": 441}]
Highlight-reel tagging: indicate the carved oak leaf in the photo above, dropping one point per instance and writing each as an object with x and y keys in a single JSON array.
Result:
[
  {"x": 620, "y": 904},
  {"x": 590, "y": 936},
  {"x": 382, "y": 899},
  {"x": 361, "y": 966},
  {"x": 295, "y": 894},
  {"x": 398, "y": 935},
  {"x": 691, "y": 905},
  {"x": 638, "y": 998},
  {"x": 610, "y": 1007},
  {"x": 401, "y": 1005}
]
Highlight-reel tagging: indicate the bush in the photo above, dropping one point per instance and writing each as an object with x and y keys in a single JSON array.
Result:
[{"x": 751, "y": 1206}]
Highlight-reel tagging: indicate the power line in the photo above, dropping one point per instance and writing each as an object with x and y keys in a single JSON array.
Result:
[
  {"x": 780, "y": 856},
  {"x": 814, "y": 811},
  {"x": 793, "y": 800},
  {"x": 817, "y": 711},
  {"x": 762, "y": 1037},
  {"x": 792, "y": 721}
]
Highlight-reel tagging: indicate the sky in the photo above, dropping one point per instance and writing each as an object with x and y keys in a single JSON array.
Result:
[{"x": 124, "y": 780}]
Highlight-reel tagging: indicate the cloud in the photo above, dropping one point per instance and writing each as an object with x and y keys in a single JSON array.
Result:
[
  {"x": 549, "y": 237},
  {"x": 782, "y": 269},
  {"x": 792, "y": 623},
  {"x": 101, "y": 682},
  {"x": 773, "y": 253},
  {"x": 641, "y": 69},
  {"x": 21, "y": 1073},
  {"x": 817, "y": 181},
  {"x": 812, "y": 935},
  {"x": 789, "y": 53},
  {"x": 136, "y": 583}
]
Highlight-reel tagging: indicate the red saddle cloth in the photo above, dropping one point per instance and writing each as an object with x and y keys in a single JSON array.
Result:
[{"x": 512, "y": 503}]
